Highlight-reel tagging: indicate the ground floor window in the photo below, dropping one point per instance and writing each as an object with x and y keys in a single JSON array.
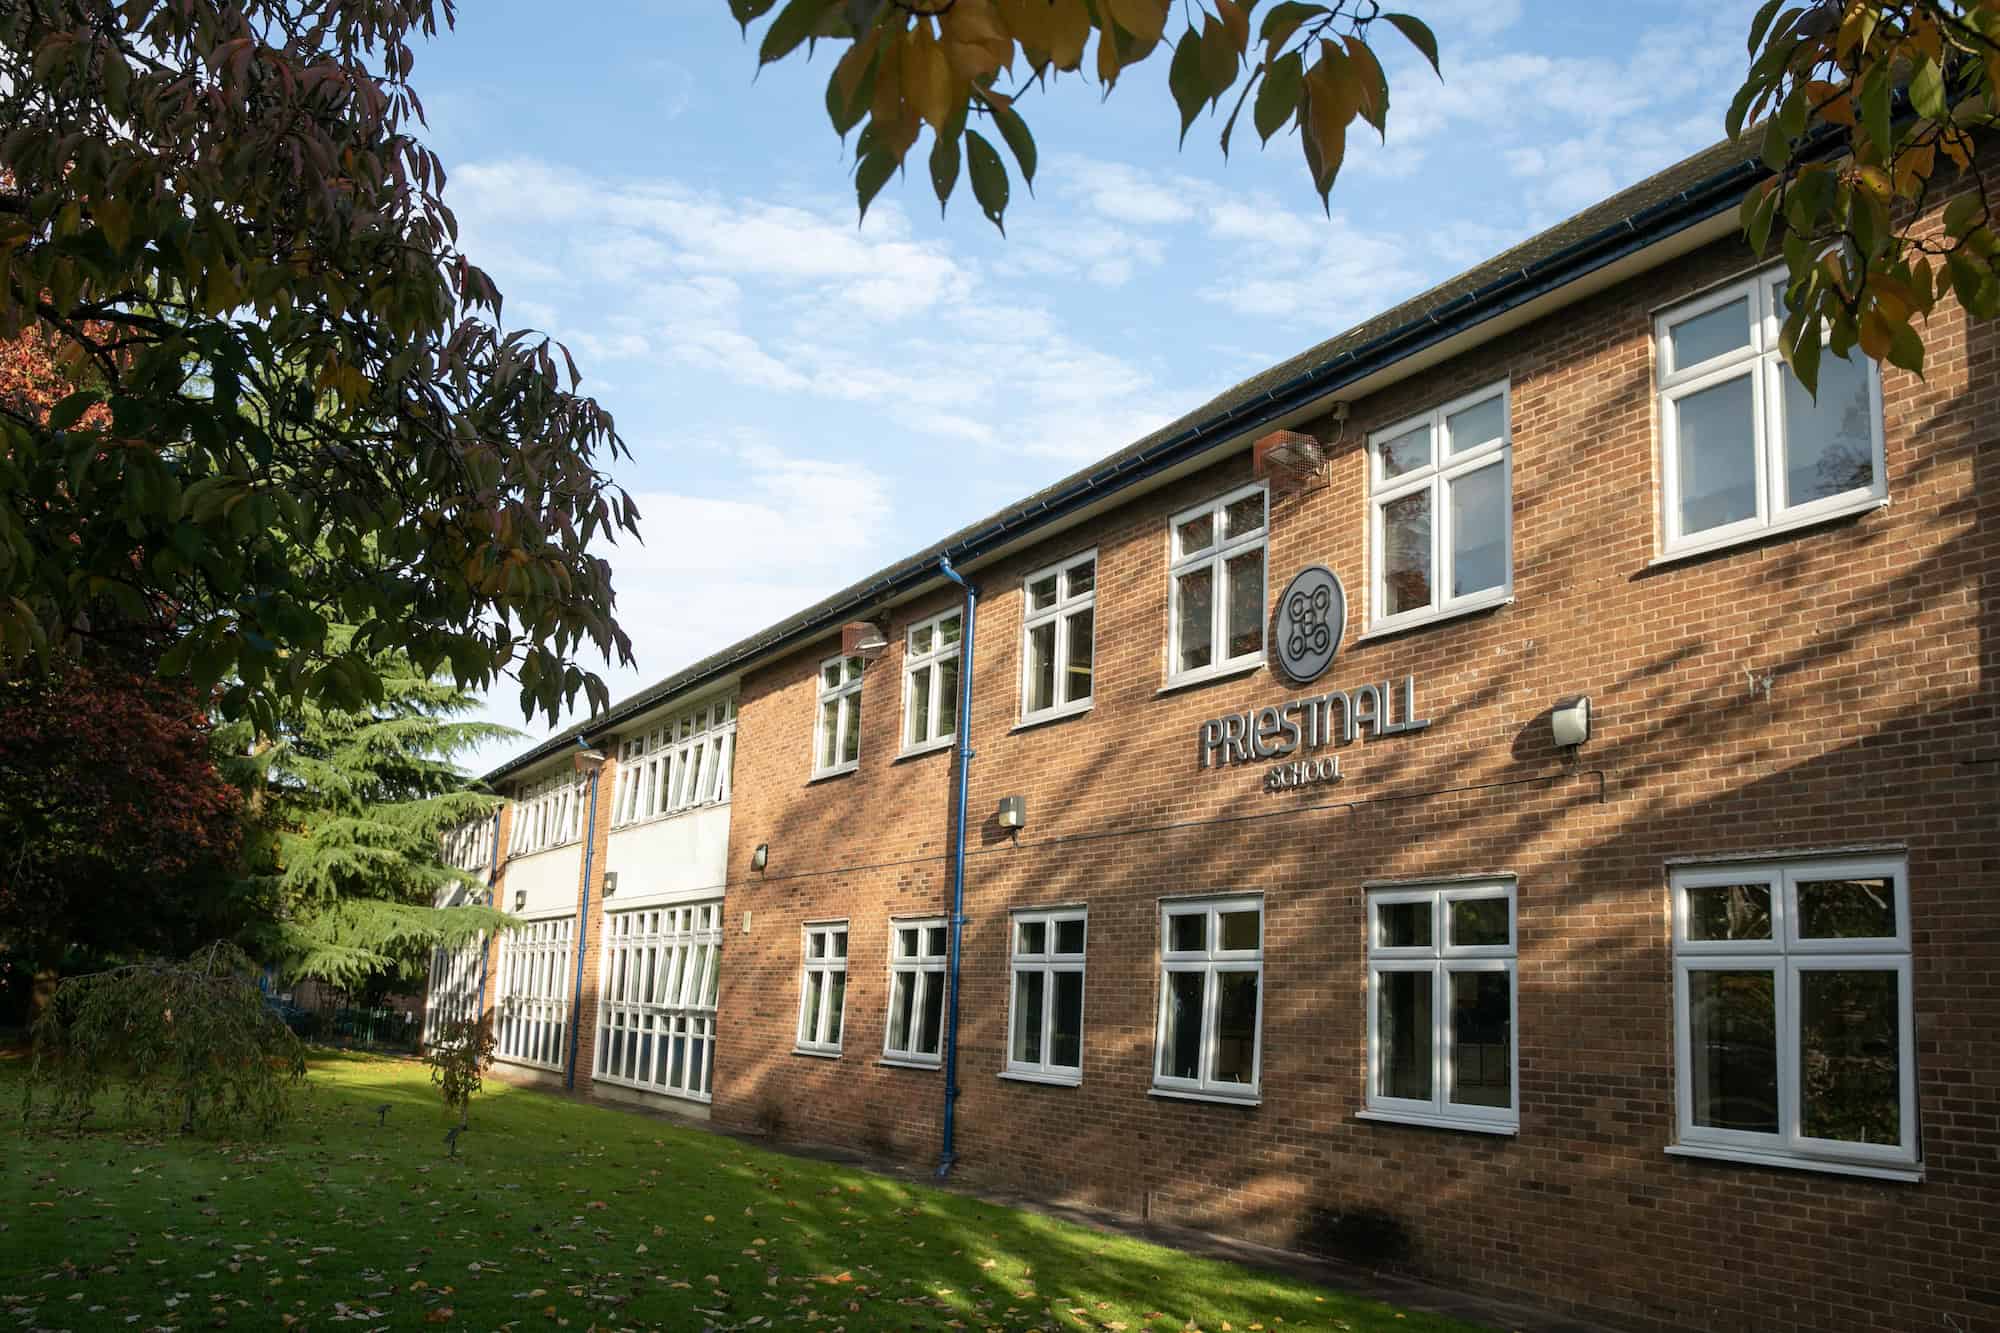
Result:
[
  {"x": 656, "y": 1023},
  {"x": 454, "y": 992},
  {"x": 1045, "y": 1001},
  {"x": 532, "y": 993},
  {"x": 1441, "y": 1005},
  {"x": 916, "y": 992},
  {"x": 1792, "y": 1011},
  {"x": 1211, "y": 997},
  {"x": 823, "y": 987}
]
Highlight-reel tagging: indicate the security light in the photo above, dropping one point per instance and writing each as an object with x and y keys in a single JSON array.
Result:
[
  {"x": 1013, "y": 812},
  {"x": 761, "y": 857},
  {"x": 1570, "y": 721},
  {"x": 610, "y": 882}
]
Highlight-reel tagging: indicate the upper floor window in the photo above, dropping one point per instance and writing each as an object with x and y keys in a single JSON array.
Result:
[
  {"x": 1211, "y": 997},
  {"x": 1441, "y": 511},
  {"x": 549, "y": 813},
  {"x": 469, "y": 846},
  {"x": 1792, "y": 1009},
  {"x": 1216, "y": 586},
  {"x": 917, "y": 952},
  {"x": 930, "y": 681},
  {"x": 1058, "y": 638},
  {"x": 1744, "y": 449},
  {"x": 684, "y": 762},
  {"x": 837, "y": 733}
]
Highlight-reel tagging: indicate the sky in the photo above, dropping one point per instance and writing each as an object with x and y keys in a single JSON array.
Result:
[{"x": 807, "y": 400}]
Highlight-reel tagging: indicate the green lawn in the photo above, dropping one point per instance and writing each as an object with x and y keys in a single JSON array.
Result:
[{"x": 555, "y": 1215}]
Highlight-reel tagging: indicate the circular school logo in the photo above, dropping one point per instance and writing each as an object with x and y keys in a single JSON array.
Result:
[{"x": 1312, "y": 615}]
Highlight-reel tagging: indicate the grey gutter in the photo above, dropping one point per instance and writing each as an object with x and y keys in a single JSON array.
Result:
[{"x": 1699, "y": 202}]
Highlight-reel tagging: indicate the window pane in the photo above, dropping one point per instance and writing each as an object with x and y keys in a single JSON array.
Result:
[
  {"x": 809, "y": 1025},
  {"x": 1069, "y": 936},
  {"x": 1482, "y": 423},
  {"x": 1479, "y": 530},
  {"x": 1235, "y": 1027},
  {"x": 1407, "y": 452},
  {"x": 1244, "y": 516},
  {"x": 1718, "y": 456},
  {"x": 1042, "y": 593},
  {"x": 906, "y": 942},
  {"x": 947, "y": 709},
  {"x": 1187, "y": 931},
  {"x": 920, "y": 639},
  {"x": 920, "y": 705},
  {"x": 1729, "y": 912},
  {"x": 1080, "y": 577},
  {"x": 1197, "y": 534},
  {"x": 1476, "y": 921},
  {"x": 1239, "y": 929},
  {"x": 1733, "y": 1050},
  {"x": 816, "y": 945},
  {"x": 1066, "y": 1033},
  {"x": 1847, "y": 909},
  {"x": 829, "y": 732},
  {"x": 1194, "y": 597},
  {"x": 1723, "y": 329},
  {"x": 1850, "y": 1083},
  {"x": 850, "y": 743},
  {"x": 1403, "y": 1035},
  {"x": 948, "y": 630},
  {"x": 1482, "y": 1034},
  {"x": 830, "y": 674},
  {"x": 853, "y": 668},
  {"x": 1034, "y": 937},
  {"x": 1246, "y": 603},
  {"x": 1079, "y": 627},
  {"x": 1042, "y": 667},
  {"x": 1406, "y": 552},
  {"x": 931, "y": 1035},
  {"x": 1829, "y": 446},
  {"x": 836, "y": 998},
  {"x": 1180, "y": 1056},
  {"x": 1028, "y": 1018},
  {"x": 934, "y": 941},
  {"x": 1403, "y": 925}
]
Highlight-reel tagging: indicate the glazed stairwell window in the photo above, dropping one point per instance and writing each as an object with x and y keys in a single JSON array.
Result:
[
  {"x": 917, "y": 952},
  {"x": 685, "y": 762},
  {"x": 1211, "y": 998},
  {"x": 1058, "y": 638},
  {"x": 1794, "y": 1043},
  {"x": 1216, "y": 586},
  {"x": 1441, "y": 511},
  {"x": 837, "y": 732},
  {"x": 656, "y": 1016},
  {"x": 532, "y": 992},
  {"x": 549, "y": 813},
  {"x": 1441, "y": 1006},
  {"x": 930, "y": 682},
  {"x": 1045, "y": 1001},
  {"x": 823, "y": 988},
  {"x": 1744, "y": 450}
]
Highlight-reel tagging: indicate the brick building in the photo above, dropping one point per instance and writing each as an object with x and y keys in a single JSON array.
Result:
[{"x": 1538, "y": 820}]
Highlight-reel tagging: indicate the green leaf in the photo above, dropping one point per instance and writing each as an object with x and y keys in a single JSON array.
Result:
[
  {"x": 1284, "y": 20},
  {"x": 1184, "y": 79},
  {"x": 747, "y": 12},
  {"x": 1278, "y": 98},
  {"x": 989, "y": 178},
  {"x": 871, "y": 173},
  {"x": 1875, "y": 109},
  {"x": 1019, "y": 142},
  {"x": 1758, "y": 211},
  {"x": 71, "y": 409},
  {"x": 1800, "y": 346},
  {"x": 1961, "y": 214},
  {"x": 795, "y": 23},
  {"x": 1927, "y": 90},
  {"x": 1220, "y": 59},
  {"x": 1762, "y": 21},
  {"x": 1906, "y": 349},
  {"x": 944, "y": 169},
  {"x": 1420, "y": 36}
]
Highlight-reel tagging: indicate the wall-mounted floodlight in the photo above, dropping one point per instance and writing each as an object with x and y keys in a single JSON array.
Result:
[
  {"x": 588, "y": 759},
  {"x": 1013, "y": 812},
  {"x": 761, "y": 857},
  {"x": 610, "y": 882},
  {"x": 1569, "y": 722},
  {"x": 520, "y": 900},
  {"x": 863, "y": 639}
]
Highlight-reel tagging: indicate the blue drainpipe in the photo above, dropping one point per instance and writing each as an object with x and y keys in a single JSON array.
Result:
[
  {"x": 582, "y": 920},
  {"x": 947, "y": 1156}
]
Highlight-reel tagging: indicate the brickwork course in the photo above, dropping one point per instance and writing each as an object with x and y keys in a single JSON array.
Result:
[{"x": 1808, "y": 692}]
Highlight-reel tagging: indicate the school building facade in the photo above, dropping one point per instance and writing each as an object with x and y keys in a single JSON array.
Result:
[{"x": 1513, "y": 792}]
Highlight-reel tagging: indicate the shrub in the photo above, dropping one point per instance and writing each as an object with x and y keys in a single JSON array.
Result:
[{"x": 458, "y": 1059}]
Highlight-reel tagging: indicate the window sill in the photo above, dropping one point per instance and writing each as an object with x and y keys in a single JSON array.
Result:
[
  {"x": 1043, "y": 719},
  {"x": 1470, "y": 607},
  {"x": 1049, "y": 1080},
  {"x": 817, "y": 1055},
  {"x": 928, "y": 747},
  {"x": 1492, "y": 1127},
  {"x": 1908, "y": 1175},
  {"x": 823, "y": 774},
  {"x": 1218, "y": 1098},
  {"x": 1696, "y": 549},
  {"x": 1178, "y": 683},
  {"x": 891, "y": 1062}
]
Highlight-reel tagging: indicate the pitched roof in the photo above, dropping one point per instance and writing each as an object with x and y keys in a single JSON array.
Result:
[{"x": 1669, "y": 201}]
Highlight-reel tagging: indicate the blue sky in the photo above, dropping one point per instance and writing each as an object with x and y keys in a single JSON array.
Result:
[{"x": 807, "y": 400}]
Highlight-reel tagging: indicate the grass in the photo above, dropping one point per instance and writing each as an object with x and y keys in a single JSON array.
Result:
[{"x": 559, "y": 1214}]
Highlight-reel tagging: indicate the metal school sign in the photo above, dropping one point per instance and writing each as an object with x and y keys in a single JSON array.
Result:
[{"x": 1311, "y": 618}]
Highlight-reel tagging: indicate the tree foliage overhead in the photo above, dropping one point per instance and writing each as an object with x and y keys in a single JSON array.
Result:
[{"x": 298, "y": 408}]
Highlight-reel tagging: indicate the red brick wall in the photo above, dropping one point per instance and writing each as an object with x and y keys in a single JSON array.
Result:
[{"x": 1879, "y": 633}]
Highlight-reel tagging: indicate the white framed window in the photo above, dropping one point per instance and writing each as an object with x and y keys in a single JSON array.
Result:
[
  {"x": 1744, "y": 450},
  {"x": 917, "y": 952},
  {"x": 684, "y": 763},
  {"x": 469, "y": 846},
  {"x": 1442, "y": 1006},
  {"x": 1058, "y": 638},
  {"x": 454, "y": 991},
  {"x": 549, "y": 813},
  {"x": 661, "y": 970},
  {"x": 823, "y": 987},
  {"x": 1216, "y": 578},
  {"x": 930, "y": 681},
  {"x": 1045, "y": 999},
  {"x": 532, "y": 993},
  {"x": 1441, "y": 529},
  {"x": 1792, "y": 1012},
  {"x": 837, "y": 731},
  {"x": 1211, "y": 997}
]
